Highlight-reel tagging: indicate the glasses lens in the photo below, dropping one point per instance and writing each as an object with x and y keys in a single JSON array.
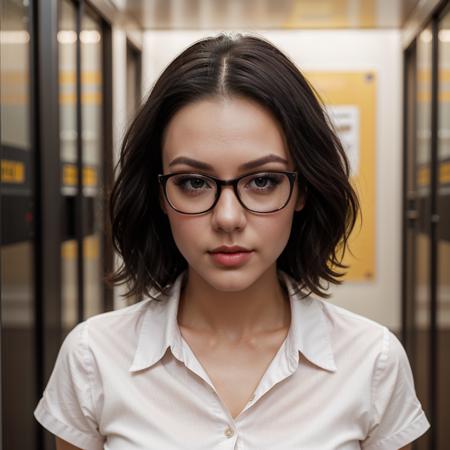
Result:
[
  {"x": 260, "y": 192},
  {"x": 264, "y": 192},
  {"x": 191, "y": 193}
]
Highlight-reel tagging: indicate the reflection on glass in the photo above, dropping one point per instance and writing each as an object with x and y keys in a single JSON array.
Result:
[
  {"x": 422, "y": 243},
  {"x": 18, "y": 363},
  {"x": 133, "y": 80},
  {"x": 91, "y": 100},
  {"x": 443, "y": 234},
  {"x": 408, "y": 332},
  {"x": 67, "y": 39}
]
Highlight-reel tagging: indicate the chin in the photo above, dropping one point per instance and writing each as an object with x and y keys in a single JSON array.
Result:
[{"x": 231, "y": 280}]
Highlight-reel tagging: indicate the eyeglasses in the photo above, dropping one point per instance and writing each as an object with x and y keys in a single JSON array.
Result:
[{"x": 260, "y": 192}]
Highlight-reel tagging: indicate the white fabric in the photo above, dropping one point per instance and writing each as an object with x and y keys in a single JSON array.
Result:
[{"x": 339, "y": 382}]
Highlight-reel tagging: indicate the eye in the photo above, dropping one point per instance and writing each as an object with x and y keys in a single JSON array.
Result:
[
  {"x": 264, "y": 181},
  {"x": 190, "y": 183}
]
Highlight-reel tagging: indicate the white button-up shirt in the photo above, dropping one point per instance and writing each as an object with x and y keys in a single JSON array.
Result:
[{"x": 127, "y": 380}]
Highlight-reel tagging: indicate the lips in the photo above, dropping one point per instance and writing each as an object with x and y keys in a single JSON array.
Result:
[
  {"x": 230, "y": 255},
  {"x": 230, "y": 249}
]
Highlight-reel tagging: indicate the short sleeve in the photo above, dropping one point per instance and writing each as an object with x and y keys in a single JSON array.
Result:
[
  {"x": 397, "y": 415},
  {"x": 66, "y": 408}
]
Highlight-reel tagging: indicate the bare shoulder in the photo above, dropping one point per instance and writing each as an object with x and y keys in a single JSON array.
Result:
[{"x": 63, "y": 445}]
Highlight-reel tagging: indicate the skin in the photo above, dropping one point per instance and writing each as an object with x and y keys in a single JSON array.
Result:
[{"x": 242, "y": 310}]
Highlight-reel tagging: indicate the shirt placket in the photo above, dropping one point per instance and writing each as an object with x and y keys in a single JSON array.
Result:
[
  {"x": 282, "y": 366},
  {"x": 229, "y": 426}
]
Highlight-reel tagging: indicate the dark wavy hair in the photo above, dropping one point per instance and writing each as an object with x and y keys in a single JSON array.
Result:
[{"x": 248, "y": 66}]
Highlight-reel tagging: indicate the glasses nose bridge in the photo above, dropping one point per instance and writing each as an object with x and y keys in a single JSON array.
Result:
[{"x": 232, "y": 182}]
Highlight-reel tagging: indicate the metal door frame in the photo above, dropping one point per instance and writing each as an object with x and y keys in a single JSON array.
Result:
[
  {"x": 45, "y": 138},
  {"x": 409, "y": 211}
]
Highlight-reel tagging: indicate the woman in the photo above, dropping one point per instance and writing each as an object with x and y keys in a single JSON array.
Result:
[{"x": 233, "y": 203}]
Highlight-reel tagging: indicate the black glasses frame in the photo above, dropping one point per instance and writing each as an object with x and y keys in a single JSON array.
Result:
[{"x": 162, "y": 179}]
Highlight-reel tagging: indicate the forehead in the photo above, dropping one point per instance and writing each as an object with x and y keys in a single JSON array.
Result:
[{"x": 223, "y": 132}]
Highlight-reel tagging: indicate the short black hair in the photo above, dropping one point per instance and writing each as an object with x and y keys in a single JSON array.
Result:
[{"x": 248, "y": 66}]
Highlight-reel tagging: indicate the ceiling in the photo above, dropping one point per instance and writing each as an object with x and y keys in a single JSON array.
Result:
[{"x": 265, "y": 14}]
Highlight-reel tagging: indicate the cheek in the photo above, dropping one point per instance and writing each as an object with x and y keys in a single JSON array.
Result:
[{"x": 277, "y": 228}]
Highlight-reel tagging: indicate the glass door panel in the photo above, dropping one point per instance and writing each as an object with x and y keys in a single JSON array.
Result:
[
  {"x": 443, "y": 234},
  {"x": 92, "y": 143},
  {"x": 18, "y": 328},
  {"x": 422, "y": 242},
  {"x": 410, "y": 213},
  {"x": 67, "y": 41},
  {"x": 133, "y": 80}
]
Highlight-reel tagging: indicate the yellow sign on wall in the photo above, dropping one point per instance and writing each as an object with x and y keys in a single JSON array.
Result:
[{"x": 350, "y": 98}]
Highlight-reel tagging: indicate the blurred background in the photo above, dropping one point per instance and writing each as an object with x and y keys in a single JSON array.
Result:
[{"x": 73, "y": 73}]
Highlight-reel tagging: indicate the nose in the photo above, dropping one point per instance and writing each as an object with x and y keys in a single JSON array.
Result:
[{"x": 228, "y": 214}]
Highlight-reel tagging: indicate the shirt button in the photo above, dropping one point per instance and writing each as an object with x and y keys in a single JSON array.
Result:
[{"x": 228, "y": 432}]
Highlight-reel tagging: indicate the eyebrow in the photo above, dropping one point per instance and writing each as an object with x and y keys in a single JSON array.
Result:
[{"x": 246, "y": 166}]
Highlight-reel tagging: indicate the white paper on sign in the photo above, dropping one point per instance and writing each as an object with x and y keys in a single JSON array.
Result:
[{"x": 345, "y": 119}]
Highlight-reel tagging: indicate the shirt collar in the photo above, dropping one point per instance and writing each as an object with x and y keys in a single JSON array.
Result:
[
  {"x": 159, "y": 329},
  {"x": 308, "y": 334}
]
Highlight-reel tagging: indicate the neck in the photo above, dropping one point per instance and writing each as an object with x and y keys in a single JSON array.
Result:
[{"x": 262, "y": 307}]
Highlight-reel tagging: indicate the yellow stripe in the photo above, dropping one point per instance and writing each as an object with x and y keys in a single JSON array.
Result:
[
  {"x": 69, "y": 175},
  {"x": 444, "y": 172},
  {"x": 65, "y": 77},
  {"x": 424, "y": 174},
  {"x": 13, "y": 172},
  {"x": 87, "y": 77},
  {"x": 91, "y": 249},
  {"x": 332, "y": 13},
  {"x": 88, "y": 98}
]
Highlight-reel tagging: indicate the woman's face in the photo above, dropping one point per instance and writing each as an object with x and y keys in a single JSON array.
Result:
[{"x": 226, "y": 133}]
